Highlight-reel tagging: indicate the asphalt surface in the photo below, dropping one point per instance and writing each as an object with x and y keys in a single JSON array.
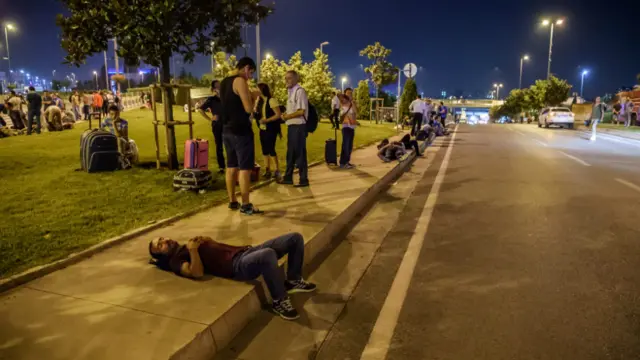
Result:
[{"x": 532, "y": 252}]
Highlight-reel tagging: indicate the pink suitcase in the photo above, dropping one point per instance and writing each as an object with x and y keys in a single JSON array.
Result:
[{"x": 196, "y": 154}]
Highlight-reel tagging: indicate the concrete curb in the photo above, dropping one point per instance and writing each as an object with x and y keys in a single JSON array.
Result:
[
  {"x": 42, "y": 270},
  {"x": 218, "y": 335}
]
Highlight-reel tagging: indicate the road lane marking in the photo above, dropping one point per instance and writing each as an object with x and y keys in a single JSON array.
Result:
[
  {"x": 578, "y": 160},
  {"x": 540, "y": 142},
  {"x": 626, "y": 183},
  {"x": 380, "y": 338}
]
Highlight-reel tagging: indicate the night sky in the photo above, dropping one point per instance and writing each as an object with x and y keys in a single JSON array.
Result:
[{"x": 461, "y": 46}]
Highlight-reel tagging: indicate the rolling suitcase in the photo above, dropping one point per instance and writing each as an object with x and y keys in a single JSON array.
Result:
[
  {"x": 192, "y": 179},
  {"x": 255, "y": 174},
  {"x": 331, "y": 150},
  {"x": 196, "y": 154},
  {"x": 99, "y": 151}
]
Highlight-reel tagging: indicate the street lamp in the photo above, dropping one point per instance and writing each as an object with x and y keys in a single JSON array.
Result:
[
  {"x": 267, "y": 56},
  {"x": 497, "y": 86},
  {"x": 323, "y": 44},
  {"x": 584, "y": 73},
  {"x": 95, "y": 74},
  {"x": 344, "y": 80},
  {"x": 522, "y": 60},
  {"x": 547, "y": 22},
  {"x": 141, "y": 76},
  {"x": 8, "y": 27}
]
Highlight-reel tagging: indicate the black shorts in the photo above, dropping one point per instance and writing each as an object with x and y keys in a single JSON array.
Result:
[
  {"x": 240, "y": 151},
  {"x": 268, "y": 142}
]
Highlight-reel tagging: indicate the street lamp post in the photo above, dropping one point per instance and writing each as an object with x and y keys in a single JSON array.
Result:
[
  {"x": 95, "y": 75},
  {"x": 497, "y": 86},
  {"x": 344, "y": 80},
  {"x": 586, "y": 72},
  {"x": 212, "y": 58},
  {"x": 552, "y": 23},
  {"x": 323, "y": 44},
  {"x": 522, "y": 60},
  {"x": 8, "y": 27}
]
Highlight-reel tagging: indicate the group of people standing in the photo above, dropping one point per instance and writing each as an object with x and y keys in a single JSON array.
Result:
[
  {"x": 234, "y": 107},
  {"x": 425, "y": 110},
  {"x": 86, "y": 103}
]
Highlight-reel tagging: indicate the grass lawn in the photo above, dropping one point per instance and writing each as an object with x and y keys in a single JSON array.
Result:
[
  {"x": 619, "y": 127},
  {"x": 49, "y": 210}
]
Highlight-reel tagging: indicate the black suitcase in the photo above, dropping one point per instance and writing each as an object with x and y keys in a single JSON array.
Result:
[
  {"x": 99, "y": 151},
  {"x": 192, "y": 179},
  {"x": 331, "y": 150}
]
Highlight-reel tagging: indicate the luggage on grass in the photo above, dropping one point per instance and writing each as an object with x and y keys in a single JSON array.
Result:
[
  {"x": 196, "y": 154},
  {"x": 192, "y": 179},
  {"x": 99, "y": 151}
]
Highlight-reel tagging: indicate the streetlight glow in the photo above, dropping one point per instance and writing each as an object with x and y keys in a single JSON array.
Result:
[
  {"x": 95, "y": 72},
  {"x": 526, "y": 57},
  {"x": 268, "y": 56},
  {"x": 560, "y": 21},
  {"x": 140, "y": 73},
  {"x": 10, "y": 27},
  {"x": 586, "y": 72},
  {"x": 545, "y": 22}
]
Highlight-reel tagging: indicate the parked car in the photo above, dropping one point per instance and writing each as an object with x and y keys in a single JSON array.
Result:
[{"x": 560, "y": 116}]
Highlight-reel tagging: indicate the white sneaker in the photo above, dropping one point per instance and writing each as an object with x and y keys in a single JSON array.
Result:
[{"x": 593, "y": 138}]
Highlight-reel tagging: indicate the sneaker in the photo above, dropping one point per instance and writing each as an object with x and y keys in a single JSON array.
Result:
[
  {"x": 285, "y": 309},
  {"x": 249, "y": 209},
  {"x": 302, "y": 184},
  {"x": 234, "y": 205},
  {"x": 267, "y": 175},
  {"x": 277, "y": 175},
  {"x": 593, "y": 138},
  {"x": 286, "y": 182},
  {"x": 221, "y": 171},
  {"x": 347, "y": 166},
  {"x": 299, "y": 286}
]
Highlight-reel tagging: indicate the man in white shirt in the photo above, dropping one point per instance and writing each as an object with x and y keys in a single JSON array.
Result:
[
  {"x": 335, "y": 111},
  {"x": 296, "y": 120},
  {"x": 417, "y": 109},
  {"x": 428, "y": 108}
]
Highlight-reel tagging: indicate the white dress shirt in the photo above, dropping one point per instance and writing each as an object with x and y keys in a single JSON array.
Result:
[
  {"x": 297, "y": 100},
  {"x": 417, "y": 106},
  {"x": 335, "y": 103}
]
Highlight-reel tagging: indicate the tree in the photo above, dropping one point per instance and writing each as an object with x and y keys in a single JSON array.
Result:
[
  {"x": 388, "y": 100},
  {"x": 363, "y": 99},
  {"x": 381, "y": 71},
  {"x": 318, "y": 82},
  {"x": 224, "y": 65},
  {"x": 55, "y": 85},
  {"x": 409, "y": 93},
  {"x": 164, "y": 28},
  {"x": 65, "y": 83},
  {"x": 272, "y": 73}
]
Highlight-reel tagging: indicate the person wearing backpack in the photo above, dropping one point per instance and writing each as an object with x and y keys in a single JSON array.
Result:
[
  {"x": 296, "y": 120},
  {"x": 597, "y": 115},
  {"x": 268, "y": 117}
]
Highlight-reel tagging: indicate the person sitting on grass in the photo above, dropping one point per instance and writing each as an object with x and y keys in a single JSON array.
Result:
[
  {"x": 53, "y": 118},
  {"x": 120, "y": 128},
  {"x": 242, "y": 263}
]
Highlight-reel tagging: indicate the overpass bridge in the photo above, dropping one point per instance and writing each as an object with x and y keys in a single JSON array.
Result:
[{"x": 470, "y": 103}]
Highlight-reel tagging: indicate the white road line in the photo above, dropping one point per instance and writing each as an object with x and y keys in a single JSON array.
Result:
[
  {"x": 380, "y": 338},
  {"x": 540, "y": 142},
  {"x": 580, "y": 161},
  {"x": 631, "y": 185},
  {"x": 519, "y": 132}
]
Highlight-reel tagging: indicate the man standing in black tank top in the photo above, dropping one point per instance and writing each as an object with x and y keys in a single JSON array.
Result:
[{"x": 237, "y": 134}]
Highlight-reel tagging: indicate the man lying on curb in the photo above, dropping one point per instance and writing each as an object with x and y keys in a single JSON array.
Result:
[{"x": 203, "y": 255}]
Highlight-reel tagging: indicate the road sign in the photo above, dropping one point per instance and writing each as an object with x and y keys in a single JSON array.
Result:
[{"x": 410, "y": 70}]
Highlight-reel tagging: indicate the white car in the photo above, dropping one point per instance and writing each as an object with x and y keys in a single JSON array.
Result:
[{"x": 560, "y": 116}]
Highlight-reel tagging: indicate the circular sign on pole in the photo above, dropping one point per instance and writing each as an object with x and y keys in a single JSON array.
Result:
[{"x": 410, "y": 70}]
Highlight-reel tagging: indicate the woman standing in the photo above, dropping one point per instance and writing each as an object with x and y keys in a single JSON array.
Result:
[
  {"x": 348, "y": 119},
  {"x": 268, "y": 117}
]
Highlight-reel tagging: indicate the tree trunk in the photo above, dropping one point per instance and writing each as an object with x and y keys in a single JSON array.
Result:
[{"x": 165, "y": 78}]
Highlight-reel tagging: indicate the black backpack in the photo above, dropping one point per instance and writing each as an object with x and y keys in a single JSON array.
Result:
[{"x": 312, "y": 120}]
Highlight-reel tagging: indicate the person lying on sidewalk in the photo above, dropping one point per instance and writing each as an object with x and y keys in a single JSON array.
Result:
[
  {"x": 242, "y": 263},
  {"x": 408, "y": 144},
  {"x": 389, "y": 151}
]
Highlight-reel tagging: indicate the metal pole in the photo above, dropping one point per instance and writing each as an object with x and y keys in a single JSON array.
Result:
[
  {"x": 398, "y": 121},
  {"x": 115, "y": 52},
  {"x": 212, "y": 59},
  {"x": 258, "y": 57},
  {"x": 106, "y": 71},
  {"x": 521, "y": 64},
  {"x": 321, "y": 47},
  {"x": 6, "y": 39},
  {"x": 550, "y": 50},
  {"x": 582, "y": 84}
]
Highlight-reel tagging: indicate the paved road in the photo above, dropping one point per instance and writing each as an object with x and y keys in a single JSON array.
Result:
[{"x": 531, "y": 252}]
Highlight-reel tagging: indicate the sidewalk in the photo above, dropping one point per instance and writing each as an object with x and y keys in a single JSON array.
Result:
[{"x": 117, "y": 306}]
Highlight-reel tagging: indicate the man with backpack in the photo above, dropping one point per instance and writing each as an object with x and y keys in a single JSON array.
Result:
[{"x": 296, "y": 120}]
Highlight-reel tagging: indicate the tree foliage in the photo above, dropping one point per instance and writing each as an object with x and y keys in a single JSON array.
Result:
[
  {"x": 381, "y": 71},
  {"x": 152, "y": 31},
  {"x": 363, "y": 99},
  {"x": 409, "y": 94},
  {"x": 543, "y": 93},
  {"x": 318, "y": 82},
  {"x": 224, "y": 65},
  {"x": 272, "y": 73}
]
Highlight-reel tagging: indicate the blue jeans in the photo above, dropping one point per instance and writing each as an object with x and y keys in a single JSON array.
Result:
[
  {"x": 33, "y": 115},
  {"x": 263, "y": 260},
  {"x": 297, "y": 152},
  {"x": 347, "y": 145}
]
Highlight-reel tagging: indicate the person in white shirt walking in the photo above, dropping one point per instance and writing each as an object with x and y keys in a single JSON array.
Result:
[
  {"x": 597, "y": 114},
  {"x": 335, "y": 111},
  {"x": 417, "y": 109},
  {"x": 296, "y": 120}
]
